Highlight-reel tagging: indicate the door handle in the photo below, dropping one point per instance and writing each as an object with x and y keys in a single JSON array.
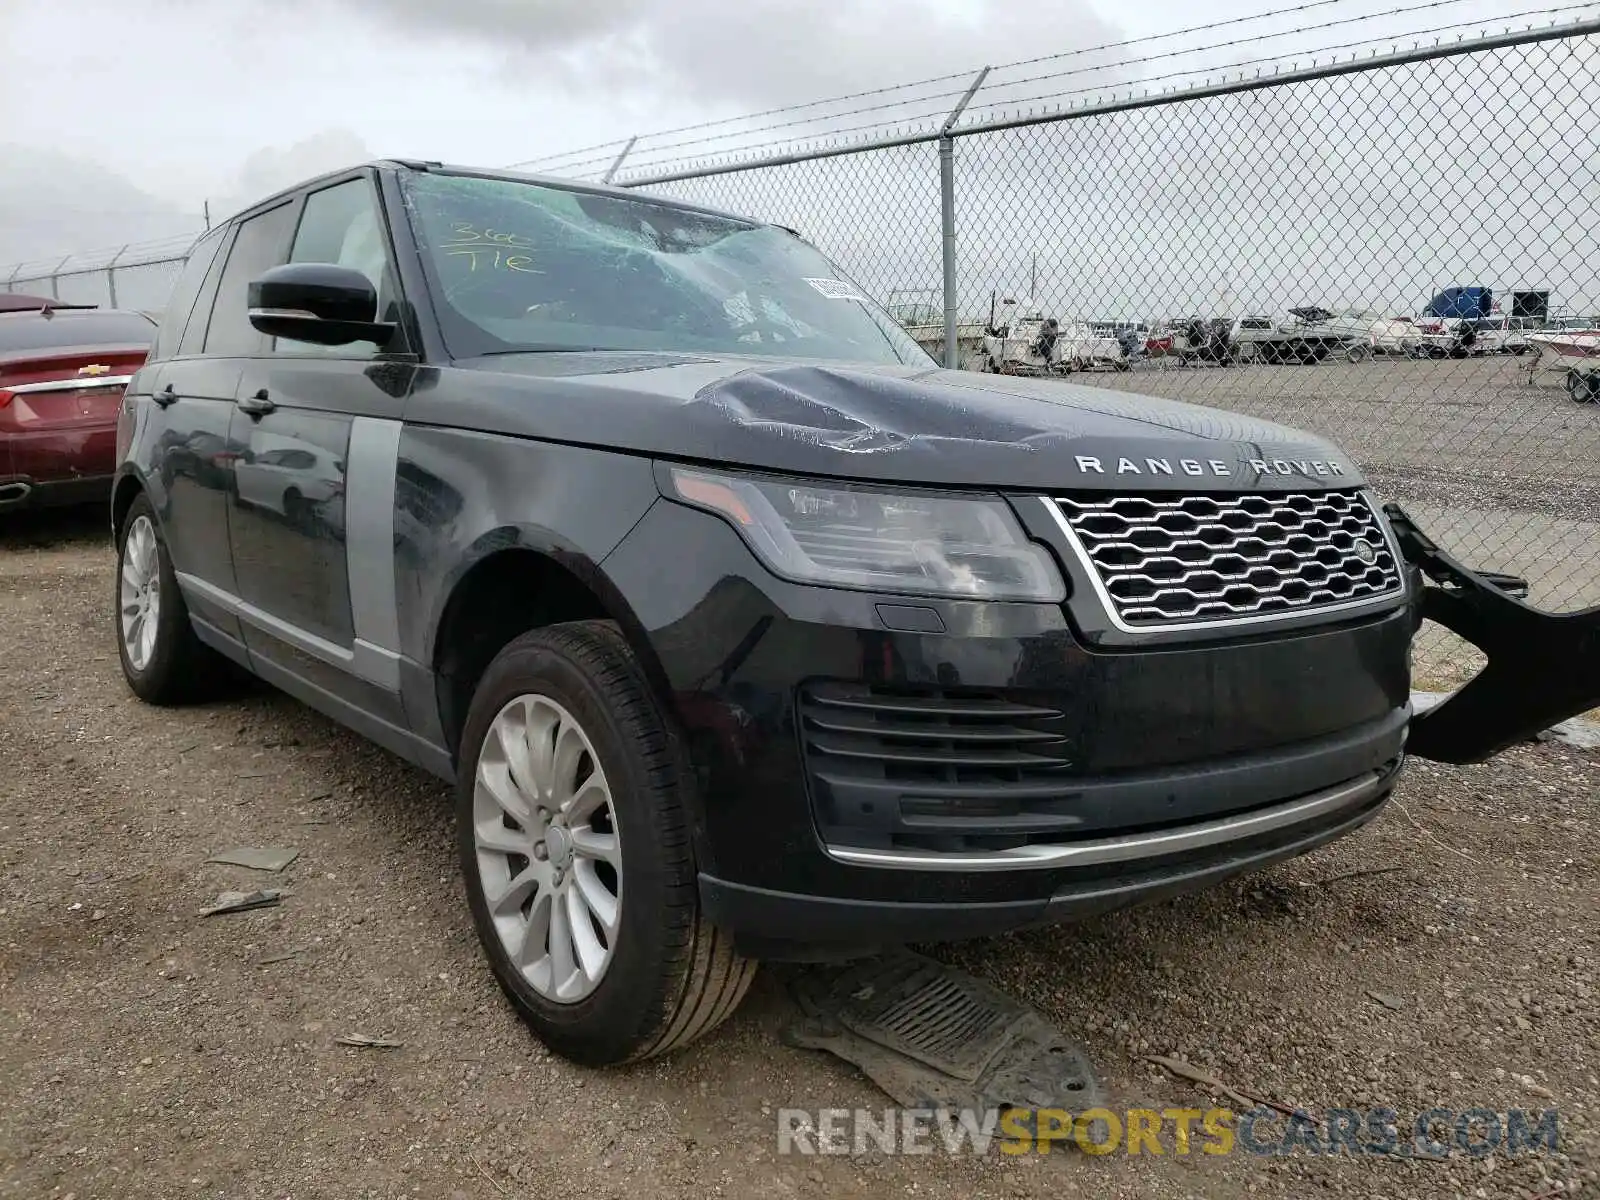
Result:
[
  {"x": 258, "y": 405},
  {"x": 166, "y": 397}
]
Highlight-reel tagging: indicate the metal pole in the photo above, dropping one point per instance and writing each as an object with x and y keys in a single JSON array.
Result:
[
  {"x": 55, "y": 278},
  {"x": 947, "y": 220},
  {"x": 111, "y": 275},
  {"x": 617, "y": 162},
  {"x": 11, "y": 283}
]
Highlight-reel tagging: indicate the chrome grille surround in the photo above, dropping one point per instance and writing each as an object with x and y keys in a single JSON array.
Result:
[{"x": 1162, "y": 562}]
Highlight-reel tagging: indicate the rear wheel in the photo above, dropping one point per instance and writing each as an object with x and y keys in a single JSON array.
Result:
[
  {"x": 574, "y": 842},
  {"x": 162, "y": 659},
  {"x": 1582, "y": 388}
]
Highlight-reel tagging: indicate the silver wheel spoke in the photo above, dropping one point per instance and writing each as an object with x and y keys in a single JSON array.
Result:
[
  {"x": 495, "y": 781},
  {"x": 590, "y": 799},
  {"x": 493, "y": 835},
  {"x": 530, "y": 950},
  {"x": 539, "y": 747},
  {"x": 514, "y": 754},
  {"x": 590, "y": 843},
  {"x": 586, "y": 883},
  {"x": 591, "y": 954},
  {"x": 516, "y": 891},
  {"x": 562, "y": 968},
  {"x": 569, "y": 749}
]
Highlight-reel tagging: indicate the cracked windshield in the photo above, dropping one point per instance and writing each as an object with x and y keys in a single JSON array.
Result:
[{"x": 523, "y": 267}]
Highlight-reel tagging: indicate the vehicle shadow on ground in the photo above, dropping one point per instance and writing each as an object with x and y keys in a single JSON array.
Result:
[{"x": 84, "y": 525}]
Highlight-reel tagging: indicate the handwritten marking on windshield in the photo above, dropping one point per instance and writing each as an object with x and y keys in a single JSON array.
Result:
[
  {"x": 490, "y": 246},
  {"x": 465, "y": 233}
]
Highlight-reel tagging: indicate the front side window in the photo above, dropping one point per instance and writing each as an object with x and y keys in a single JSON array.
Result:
[
  {"x": 340, "y": 225},
  {"x": 519, "y": 267}
]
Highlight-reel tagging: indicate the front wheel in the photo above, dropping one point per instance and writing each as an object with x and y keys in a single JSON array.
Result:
[
  {"x": 573, "y": 835},
  {"x": 1583, "y": 389}
]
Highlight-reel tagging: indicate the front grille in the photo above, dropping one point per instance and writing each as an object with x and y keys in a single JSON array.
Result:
[{"x": 1181, "y": 559}]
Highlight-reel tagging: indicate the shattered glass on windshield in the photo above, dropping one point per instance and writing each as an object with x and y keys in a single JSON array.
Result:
[{"x": 519, "y": 267}]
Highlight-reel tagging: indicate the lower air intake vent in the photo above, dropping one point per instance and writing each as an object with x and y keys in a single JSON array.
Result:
[{"x": 933, "y": 761}]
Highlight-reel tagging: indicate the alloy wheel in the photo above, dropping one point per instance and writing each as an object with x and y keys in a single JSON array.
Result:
[
  {"x": 139, "y": 593},
  {"x": 549, "y": 853}
]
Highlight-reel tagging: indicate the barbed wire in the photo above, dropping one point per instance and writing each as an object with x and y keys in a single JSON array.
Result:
[
  {"x": 908, "y": 123},
  {"x": 558, "y": 161}
]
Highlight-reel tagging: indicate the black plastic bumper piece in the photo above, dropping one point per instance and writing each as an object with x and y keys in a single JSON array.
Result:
[
  {"x": 1543, "y": 667},
  {"x": 783, "y": 925}
]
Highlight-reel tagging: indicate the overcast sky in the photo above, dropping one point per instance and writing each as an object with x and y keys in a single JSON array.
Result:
[{"x": 119, "y": 117}]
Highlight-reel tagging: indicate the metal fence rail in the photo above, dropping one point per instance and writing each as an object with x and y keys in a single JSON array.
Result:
[{"x": 1170, "y": 236}]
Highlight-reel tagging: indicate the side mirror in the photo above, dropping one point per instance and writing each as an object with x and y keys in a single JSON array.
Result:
[{"x": 320, "y": 303}]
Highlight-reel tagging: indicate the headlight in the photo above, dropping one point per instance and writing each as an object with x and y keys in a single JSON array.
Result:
[{"x": 879, "y": 541}]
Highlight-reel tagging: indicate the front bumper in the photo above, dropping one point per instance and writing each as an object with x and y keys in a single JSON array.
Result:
[
  {"x": 1067, "y": 779},
  {"x": 1097, "y": 877}
]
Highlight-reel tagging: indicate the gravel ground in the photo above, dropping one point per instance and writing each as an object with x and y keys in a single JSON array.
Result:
[{"x": 149, "y": 1052}]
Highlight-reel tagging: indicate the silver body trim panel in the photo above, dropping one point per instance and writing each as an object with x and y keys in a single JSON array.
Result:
[
  {"x": 1392, "y": 599},
  {"x": 87, "y": 383},
  {"x": 375, "y": 664},
  {"x": 371, "y": 461},
  {"x": 1129, "y": 847}
]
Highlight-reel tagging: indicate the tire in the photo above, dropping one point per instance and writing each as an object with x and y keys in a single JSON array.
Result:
[
  {"x": 165, "y": 663},
  {"x": 1583, "y": 389},
  {"x": 667, "y": 976}
]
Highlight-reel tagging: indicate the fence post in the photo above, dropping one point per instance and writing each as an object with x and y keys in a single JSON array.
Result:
[
  {"x": 947, "y": 220},
  {"x": 55, "y": 278},
  {"x": 616, "y": 164},
  {"x": 111, "y": 275},
  {"x": 11, "y": 283}
]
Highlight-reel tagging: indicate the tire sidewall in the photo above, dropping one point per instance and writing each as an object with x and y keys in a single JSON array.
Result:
[{"x": 631, "y": 1001}]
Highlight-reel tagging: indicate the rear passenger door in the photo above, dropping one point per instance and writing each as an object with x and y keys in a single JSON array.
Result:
[
  {"x": 314, "y": 441},
  {"x": 186, "y": 402}
]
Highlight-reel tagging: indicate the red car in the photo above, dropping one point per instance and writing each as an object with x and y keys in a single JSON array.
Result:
[{"x": 63, "y": 369}]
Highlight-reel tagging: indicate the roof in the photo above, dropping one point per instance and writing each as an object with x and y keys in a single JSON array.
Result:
[{"x": 409, "y": 164}]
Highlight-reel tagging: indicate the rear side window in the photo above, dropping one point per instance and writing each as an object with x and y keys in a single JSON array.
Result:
[
  {"x": 27, "y": 331},
  {"x": 184, "y": 293},
  {"x": 262, "y": 243}
]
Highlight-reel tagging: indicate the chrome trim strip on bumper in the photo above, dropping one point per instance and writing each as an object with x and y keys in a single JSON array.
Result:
[
  {"x": 1390, "y": 599},
  {"x": 69, "y": 385},
  {"x": 1129, "y": 846}
]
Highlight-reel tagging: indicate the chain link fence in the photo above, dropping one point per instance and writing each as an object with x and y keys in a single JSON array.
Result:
[
  {"x": 1396, "y": 251},
  {"x": 134, "y": 276},
  {"x": 1275, "y": 248}
]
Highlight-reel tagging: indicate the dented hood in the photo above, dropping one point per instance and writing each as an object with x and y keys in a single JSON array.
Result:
[{"x": 899, "y": 424}]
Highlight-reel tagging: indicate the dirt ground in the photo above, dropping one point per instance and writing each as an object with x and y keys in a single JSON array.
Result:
[{"x": 149, "y": 1052}]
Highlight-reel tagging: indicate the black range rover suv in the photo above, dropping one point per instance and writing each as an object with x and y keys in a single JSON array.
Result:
[{"x": 742, "y": 630}]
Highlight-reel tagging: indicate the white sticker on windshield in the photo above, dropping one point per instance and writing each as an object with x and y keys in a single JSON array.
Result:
[{"x": 837, "y": 289}]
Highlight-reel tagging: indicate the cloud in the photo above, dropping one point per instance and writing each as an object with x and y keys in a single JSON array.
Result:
[
  {"x": 51, "y": 203},
  {"x": 755, "y": 54},
  {"x": 272, "y": 167}
]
